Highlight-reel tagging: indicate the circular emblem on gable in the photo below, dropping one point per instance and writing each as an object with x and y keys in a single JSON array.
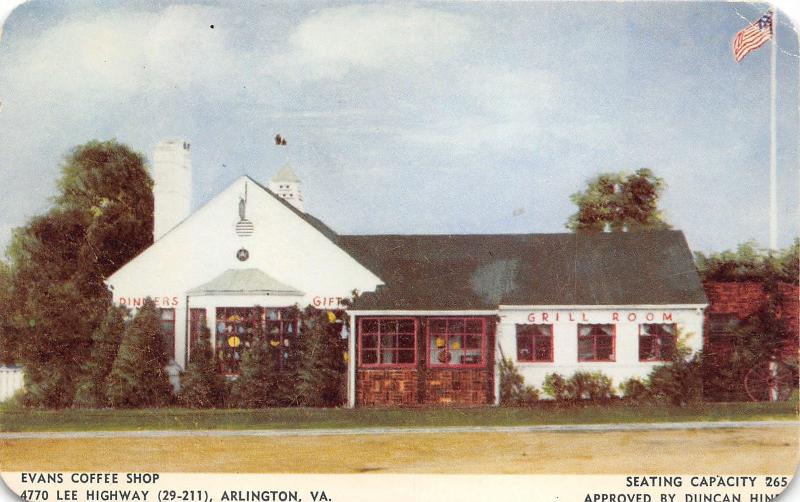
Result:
[
  {"x": 243, "y": 254},
  {"x": 244, "y": 228}
]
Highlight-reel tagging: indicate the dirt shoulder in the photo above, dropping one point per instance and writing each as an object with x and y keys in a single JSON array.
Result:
[{"x": 772, "y": 450}]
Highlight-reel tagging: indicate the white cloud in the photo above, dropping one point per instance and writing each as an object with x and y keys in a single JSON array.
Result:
[
  {"x": 334, "y": 41},
  {"x": 122, "y": 51}
]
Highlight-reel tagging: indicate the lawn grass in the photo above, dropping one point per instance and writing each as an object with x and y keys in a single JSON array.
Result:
[{"x": 17, "y": 419}]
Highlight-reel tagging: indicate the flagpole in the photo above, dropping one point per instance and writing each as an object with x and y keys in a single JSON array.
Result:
[{"x": 773, "y": 167}]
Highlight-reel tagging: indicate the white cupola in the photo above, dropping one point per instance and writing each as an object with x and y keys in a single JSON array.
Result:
[{"x": 286, "y": 185}]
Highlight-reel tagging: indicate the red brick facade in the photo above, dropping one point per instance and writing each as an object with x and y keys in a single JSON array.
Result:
[
  {"x": 389, "y": 387},
  {"x": 743, "y": 299},
  {"x": 423, "y": 385},
  {"x": 463, "y": 387}
]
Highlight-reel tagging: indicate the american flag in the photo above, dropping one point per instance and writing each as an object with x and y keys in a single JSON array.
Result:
[{"x": 752, "y": 37}]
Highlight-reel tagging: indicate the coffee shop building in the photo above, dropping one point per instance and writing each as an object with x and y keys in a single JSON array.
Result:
[{"x": 434, "y": 314}]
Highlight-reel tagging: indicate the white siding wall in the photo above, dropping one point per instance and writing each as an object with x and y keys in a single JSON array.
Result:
[
  {"x": 11, "y": 380},
  {"x": 204, "y": 246},
  {"x": 565, "y": 339}
]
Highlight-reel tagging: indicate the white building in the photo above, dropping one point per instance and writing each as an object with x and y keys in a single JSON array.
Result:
[{"x": 436, "y": 311}]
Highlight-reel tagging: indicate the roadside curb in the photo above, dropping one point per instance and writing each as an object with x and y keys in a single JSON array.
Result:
[{"x": 662, "y": 426}]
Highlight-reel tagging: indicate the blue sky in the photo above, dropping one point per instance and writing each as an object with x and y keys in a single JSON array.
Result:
[{"x": 413, "y": 117}]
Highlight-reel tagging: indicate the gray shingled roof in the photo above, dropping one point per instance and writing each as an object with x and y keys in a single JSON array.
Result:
[
  {"x": 247, "y": 281},
  {"x": 457, "y": 272}
]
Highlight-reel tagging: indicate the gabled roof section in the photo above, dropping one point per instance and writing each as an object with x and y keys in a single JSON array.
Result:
[
  {"x": 463, "y": 272},
  {"x": 286, "y": 174},
  {"x": 248, "y": 281},
  {"x": 311, "y": 220}
]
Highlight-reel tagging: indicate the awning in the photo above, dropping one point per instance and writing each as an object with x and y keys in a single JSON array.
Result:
[{"x": 248, "y": 281}]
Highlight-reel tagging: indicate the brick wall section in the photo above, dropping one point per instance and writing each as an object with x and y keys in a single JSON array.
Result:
[
  {"x": 423, "y": 385},
  {"x": 742, "y": 298},
  {"x": 389, "y": 387},
  {"x": 458, "y": 386},
  {"x": 745, "y": 298}
]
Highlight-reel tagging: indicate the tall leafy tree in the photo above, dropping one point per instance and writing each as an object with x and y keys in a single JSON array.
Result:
[
  {"x": 91, "y": 391},
  {"x": 138, "y": 376},
  {"x": 750, "y": 263},
  {"x": 321, "y": 368},
  {"x": 8, "y": 337},
  {"x": 201, "y": 384},
  {"x": 619, "y": 201},
  {"x": 101, "y": 218}
]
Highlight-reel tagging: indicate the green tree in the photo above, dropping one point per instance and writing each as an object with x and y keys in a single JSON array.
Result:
[
  {"x": 750, "y": 263},
  {"x": 57, "y": 306},
  {"x": 619, "y": 201},
  {"x": 8, "y": 336},
  {"x": 201, "y": 384},
  {"x": 321, "y": 368},
  {"x": 106, "y": 340},
  {"x": 138, "y": 376},
  {"x": 258, "y": 384},
  {"x": 109, "y": 182},
  {"x": 101, "y": 218}
]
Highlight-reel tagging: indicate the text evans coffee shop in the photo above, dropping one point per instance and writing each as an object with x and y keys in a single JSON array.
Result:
[{"x": 435, "y": 312}]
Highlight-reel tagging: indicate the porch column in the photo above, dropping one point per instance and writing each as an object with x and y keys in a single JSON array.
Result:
[{"x": 351, "y": 364}]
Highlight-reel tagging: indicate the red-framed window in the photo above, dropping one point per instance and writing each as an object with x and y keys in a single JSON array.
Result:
[
  {"x": 197, "y": 320},
  {"x": 657, "y": 342},
  {"x": 456, "y": 341},
  {"x": 387, "y": 341},
  {"x": 596, "y": 342},
  {"x": 168, "y": 330},
  {"x": 535, "y": 343},
  {"x": 238, "y": 328}
]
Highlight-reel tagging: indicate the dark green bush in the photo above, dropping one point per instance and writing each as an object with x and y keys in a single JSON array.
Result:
[
  {"x": 581, "y": 386},
  {"x": 556, "y": 386},
  {"x": 595, "y": 386},
  {"x": 633, "y": 389},
  {"x": 513, "y": 391},
  {"x": 201, "y": 384}
]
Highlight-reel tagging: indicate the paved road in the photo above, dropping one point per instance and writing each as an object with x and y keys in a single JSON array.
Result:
[{"x": 402, "y": 430}]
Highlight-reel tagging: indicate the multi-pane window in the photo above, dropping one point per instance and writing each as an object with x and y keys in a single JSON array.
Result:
[
  {"x": 197, "y": 320},
  {"x": 168, "y": 330},
  {"x": 237, "y": 329},
  {"x": 535, "y": 342},
  {"x": 389, "y": 341},
  {"x": 595, "y": 342},
  {"x": 656, "y": 342},
  {"x": 456, "y": 341}
]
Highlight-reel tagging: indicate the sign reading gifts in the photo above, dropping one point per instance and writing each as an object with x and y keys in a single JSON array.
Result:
[{"x": 599, "y": 317}]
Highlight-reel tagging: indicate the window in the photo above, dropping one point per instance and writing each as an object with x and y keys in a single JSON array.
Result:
[
  {"x": 237, "y": 329},
  {"x": 197, "y": 320},
  {"x": 456, "y": 341},
  {"x": 656, "y": 342},
  {"x": 535, "y": 342},
  {"x": 390, "y": 341},
  {"x": 595, "y": 342},
  {"x": 168, "y": 331}
]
